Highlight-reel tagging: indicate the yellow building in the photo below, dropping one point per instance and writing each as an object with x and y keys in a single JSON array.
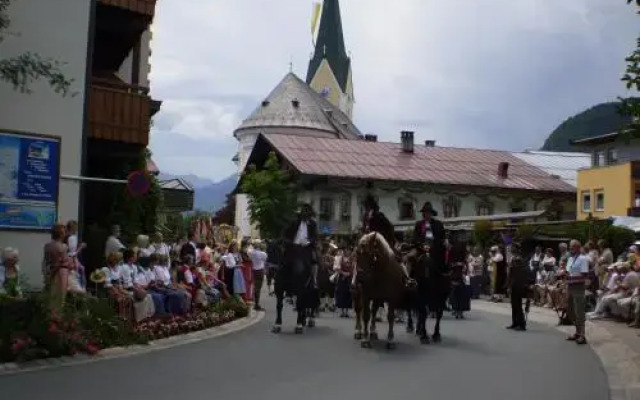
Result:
[{"x": 611, "y": 186}]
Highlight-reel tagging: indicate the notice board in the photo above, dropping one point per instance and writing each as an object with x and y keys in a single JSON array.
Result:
[{"x": 29, "y": 180}]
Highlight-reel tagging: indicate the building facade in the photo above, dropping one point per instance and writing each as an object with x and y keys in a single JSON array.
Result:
[
  {"x": 334, "y": 176},
  {"x": 104, "y": 47},
  {"x": 610, "y": 186}
]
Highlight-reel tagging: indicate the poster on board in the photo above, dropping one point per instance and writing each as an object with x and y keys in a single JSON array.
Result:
[{"x": 29, "y": 179}]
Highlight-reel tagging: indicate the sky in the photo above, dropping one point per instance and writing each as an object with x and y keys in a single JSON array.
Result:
[{"x": 490, "y": 74}]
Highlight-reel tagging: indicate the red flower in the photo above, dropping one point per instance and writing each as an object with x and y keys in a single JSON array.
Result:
[{"x": 53, "y": 328}]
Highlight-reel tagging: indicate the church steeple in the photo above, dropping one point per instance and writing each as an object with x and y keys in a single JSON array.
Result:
[{"x": 329, "y": 70}]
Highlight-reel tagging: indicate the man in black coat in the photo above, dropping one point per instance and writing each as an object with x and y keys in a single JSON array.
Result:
[
  {"x": 429, "y": 237},
  {"x": 301, "y": 241},
  {"x": 521, "y": 280},
  {"x": 376, "y": 221}
]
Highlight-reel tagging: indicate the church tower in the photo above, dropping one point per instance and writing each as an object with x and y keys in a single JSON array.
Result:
[{"x": 329, "y": 70}]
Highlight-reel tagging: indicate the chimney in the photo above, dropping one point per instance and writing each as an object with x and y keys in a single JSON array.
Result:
[
  {"x": 503, "y": 170},
  {"x": 430, "y": 143},
  {"x": 265, "y": 103},
  {"x": 370, "y": 138},
  {"x": 406, "y": 139}
]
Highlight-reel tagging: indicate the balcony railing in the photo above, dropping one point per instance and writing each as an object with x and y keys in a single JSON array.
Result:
[
  {"x": 144, "y": 7},
  {"x": 119, "y": 112}
]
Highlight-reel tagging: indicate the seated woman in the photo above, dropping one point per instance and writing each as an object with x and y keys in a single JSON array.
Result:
[
  {"x": 143, "y": 303},
  {"x": 208, "y": 275},
  {"x": 10, "y": 273},
  {"x": 177, "y": 283},
  {"x": 114, "y": 288},
  {"x": 175, "y": 301},
  {"x": 145, "y": 278}
]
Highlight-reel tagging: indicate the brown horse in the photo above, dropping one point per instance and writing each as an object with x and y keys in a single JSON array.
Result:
[{"x": 379, "y": 279}]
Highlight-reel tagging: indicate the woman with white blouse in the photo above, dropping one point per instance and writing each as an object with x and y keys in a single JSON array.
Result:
[
  {"x": 77, "y": 281},
  {"x": 233, "y": 277}
]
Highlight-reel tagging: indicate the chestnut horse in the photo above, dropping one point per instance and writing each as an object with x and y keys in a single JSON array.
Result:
[{"x": 379, "y": 279}]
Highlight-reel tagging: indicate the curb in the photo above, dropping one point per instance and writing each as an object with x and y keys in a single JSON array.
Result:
[
  {"x": 121, "y": 352},
  {"x": 620, "y": 362}
]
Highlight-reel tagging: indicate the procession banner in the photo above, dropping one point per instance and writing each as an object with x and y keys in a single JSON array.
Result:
[{"x": 29, "y": 180}]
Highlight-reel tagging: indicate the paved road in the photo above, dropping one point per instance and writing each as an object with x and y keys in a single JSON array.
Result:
[{"x": 478, "y": 359}]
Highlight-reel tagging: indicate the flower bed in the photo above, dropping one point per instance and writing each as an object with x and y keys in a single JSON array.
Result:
[{"x": 30, "y": 330}]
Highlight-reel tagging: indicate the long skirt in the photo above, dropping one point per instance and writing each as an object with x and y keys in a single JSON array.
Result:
[
  {"x": 247, "y": 275},
  {"x": 159, "y": 302},
  {"x": 461, "y": 297},
  {"x": 343, "y": 292},
  {"x": 500, "y": 282},
  {"x": 239, "y": 285},
  {"x": 143, "y": 308}
]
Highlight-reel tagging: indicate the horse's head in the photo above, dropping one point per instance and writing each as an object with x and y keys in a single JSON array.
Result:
[{"x": 372, "y": 251}]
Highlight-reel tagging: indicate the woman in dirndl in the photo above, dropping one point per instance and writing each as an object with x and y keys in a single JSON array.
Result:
[
  {"x": 343, "y": 268},
  {"x": 461, "y": 290},
  {"x": 232, "y": 270}
]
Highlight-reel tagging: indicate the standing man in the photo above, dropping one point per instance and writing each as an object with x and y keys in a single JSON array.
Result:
[
  {"x": 521, "y": 280},
  {"x": 258, "y": 258},
  {"x": 429, "y": 237},
  {"x": 376, "y": 221},
  {"x": 577, "y": 271}
]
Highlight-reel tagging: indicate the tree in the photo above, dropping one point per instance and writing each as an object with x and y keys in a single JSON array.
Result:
[
  {"x": 22, "y": 70},
  {"x": 226, "y": 215},
  {"x": 272, "y": 197},
  {"x": 631, "y": 78}
]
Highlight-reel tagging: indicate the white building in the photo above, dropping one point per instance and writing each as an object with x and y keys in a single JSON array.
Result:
[
  {"x": 107, "y": 116},
  {"x": 335, "y": 176}
]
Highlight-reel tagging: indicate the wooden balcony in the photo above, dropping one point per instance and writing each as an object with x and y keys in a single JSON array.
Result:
[
  {"x": 119, "y": 112},
  {"x": 144, "y": 7}
]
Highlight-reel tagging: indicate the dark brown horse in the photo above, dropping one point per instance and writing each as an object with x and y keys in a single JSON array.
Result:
[{"x": 379, "y": 279}]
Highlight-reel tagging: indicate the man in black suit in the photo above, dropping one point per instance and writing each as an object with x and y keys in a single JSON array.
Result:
[
  {"x": 521, "y": 280},
  {"x": 376, "y": 221},
  {"x": 429, "y": 237},
  {"x": 301, "y": 241}
]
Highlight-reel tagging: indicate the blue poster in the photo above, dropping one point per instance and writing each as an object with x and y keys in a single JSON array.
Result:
[{"x": 29, "y": 176}]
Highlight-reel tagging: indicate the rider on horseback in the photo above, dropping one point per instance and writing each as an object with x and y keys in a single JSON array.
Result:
[
  {"x": 376, "y": 221},
  {"x": 429, "y": 237}
]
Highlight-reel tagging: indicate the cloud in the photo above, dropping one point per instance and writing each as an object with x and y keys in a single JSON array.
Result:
[{"x": 498, "y": 73}]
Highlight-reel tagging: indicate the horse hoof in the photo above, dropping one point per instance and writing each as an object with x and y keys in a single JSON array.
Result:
[
  {"x": 276, "y": 329},
  {"x": 298, "y": 330},
  {"x": 373, "y": 336},
  {"x": 436, "y": 338},
  {"x": 357, "y": 336},
  {"x": 391, "y": 346},
  {"x": 365, "y": 344},
  {"x": 424, "y": 340},
  {"x": 311, "y": 323}
]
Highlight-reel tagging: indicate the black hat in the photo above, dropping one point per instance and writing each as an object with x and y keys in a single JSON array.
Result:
[
  {"x": 305, "y": 208},
  {"x": 370, "y": 202},
  {"x": 427, "y": 207}
]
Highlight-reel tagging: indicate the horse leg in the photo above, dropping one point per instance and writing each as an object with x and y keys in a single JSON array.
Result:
[
  {"x": 391, "y": 319},
  {"x": 301, "y": 311},
  {"x": 366, "y": 318},
  {"x": 312, "y": 309},
  {"x": 409, "y": 311},
  {"x": 357, "y": 307},
  {"x": 422, "y": 324},
  {"x": 277, "y": 327},
  {"x": 436, "y": 330},
  {"x": 373, "y": 330}
]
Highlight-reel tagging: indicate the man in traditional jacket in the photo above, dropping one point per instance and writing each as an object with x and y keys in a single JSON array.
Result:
[
  {"x": 521, "y": 280},
  {"x": 376, "y": 221},
  {"x": 301, "y": 241},
  {"x": 429, "y": 237}
]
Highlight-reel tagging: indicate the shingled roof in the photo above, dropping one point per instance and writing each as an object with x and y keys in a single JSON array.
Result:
[
  {"x": 330, "y": 45},
  {"x": 387, "y": 162},
  {"x": 293, "y": 104}
]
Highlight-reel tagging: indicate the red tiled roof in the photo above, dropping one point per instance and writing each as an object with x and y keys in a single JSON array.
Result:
[{"x": 386, "y": 161}]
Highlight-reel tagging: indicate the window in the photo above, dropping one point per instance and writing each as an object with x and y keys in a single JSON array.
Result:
[
  {"x": 345, "y": 208},
  {"x": 612, "y": 156},
  {"x": 326, "y": 209},
  {"x": 599, "y": 159},
  {"x": 586, "y": 201},
  {"x": 451, "y": 207},
  {"x": 407, "y": 211},
  {"x": 484, "y": 208},
  {"x": 599, "y": 200}
]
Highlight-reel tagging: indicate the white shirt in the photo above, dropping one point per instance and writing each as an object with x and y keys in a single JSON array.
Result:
[
  {"x": 162, "y": 274},
  {"x": 112, "y": 275},
  {"x": 537, "y": 258},
  {"x": 230, "y": 260},
  {"x": 302, "y": 236},
  {"x": 113, "y": 245},
  {"x": 143, "y": 277},
  {"x": 258, "y": 259},
  {"x": 127, "y": 273},
  {"x": 72, "y": 244}
]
